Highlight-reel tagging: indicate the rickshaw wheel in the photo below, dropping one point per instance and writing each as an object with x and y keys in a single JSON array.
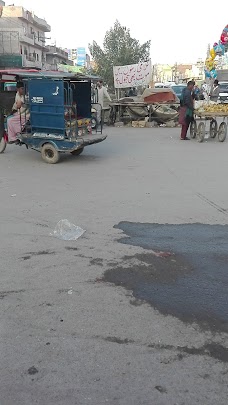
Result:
[
  {"x": 193, "y": 129},
  {"x": 49, "y": 153},
  {"x": 201, "y": 132},
  {"x": 2, "y": 145},
  {"x": 77, "y": 152},
  {"x": 222, "y": 132},
  {"x": 94, "y": 123},
  {"x": 213, "y": 128}
]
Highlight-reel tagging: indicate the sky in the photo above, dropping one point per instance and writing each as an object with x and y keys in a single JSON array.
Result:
[{"x": 178, "y": 33}]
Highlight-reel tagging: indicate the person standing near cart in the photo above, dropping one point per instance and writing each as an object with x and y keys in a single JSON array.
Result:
[
  {"x": 186, "y": 109},
  {"x": 215, "y": 91}
]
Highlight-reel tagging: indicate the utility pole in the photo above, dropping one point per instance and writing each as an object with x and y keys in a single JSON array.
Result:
[{"x": 174, "y": 73}]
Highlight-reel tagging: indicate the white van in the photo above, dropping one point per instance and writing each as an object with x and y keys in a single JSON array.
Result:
[
  {"x": 160, "y": 86},
  {"x": 223, "y": 92}
]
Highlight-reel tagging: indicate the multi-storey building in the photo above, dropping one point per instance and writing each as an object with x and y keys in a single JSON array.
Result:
[{"x": 23, "y": 41}]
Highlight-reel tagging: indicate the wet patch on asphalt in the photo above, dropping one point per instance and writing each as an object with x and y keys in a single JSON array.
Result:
[
  {"x": 183, "y": 274},
  {"x": 97, "y": 261},
  {"x": 40, "y": 253},
  {"x": 43, "y": 225},
  {"x": 114, "y": 339},
  {"x": 210, "y": 349},
  {"x": 32, "y": 370},
  {"x": 4, "y": 294}
]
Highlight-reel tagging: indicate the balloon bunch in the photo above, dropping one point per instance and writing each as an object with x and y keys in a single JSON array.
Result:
[
  {"x": 224, "y": 36},
  {"x": 217, "y": 50},
  {"x": 210, "y": 71}
]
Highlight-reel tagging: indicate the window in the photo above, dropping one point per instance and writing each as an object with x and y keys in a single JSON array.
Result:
[
  {"x": 37, "y": 57},
  {"x": 25, "y": 51}
]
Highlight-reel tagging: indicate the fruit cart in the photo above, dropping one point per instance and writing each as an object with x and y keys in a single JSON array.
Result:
[{"x": 217, "y": 116}]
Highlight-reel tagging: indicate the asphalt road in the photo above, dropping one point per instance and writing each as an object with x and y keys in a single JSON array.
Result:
[{"x": 135, "y": 311}]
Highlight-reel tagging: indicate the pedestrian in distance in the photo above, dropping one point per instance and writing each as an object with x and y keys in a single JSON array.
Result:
[
  {"x": 214, "y": 95},
  {"x": 186, "y": 115},
  {"x": 102, "y": 93}
]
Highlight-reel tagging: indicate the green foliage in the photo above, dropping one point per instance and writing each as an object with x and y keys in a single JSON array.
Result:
[{"x": 119, "y": 49}]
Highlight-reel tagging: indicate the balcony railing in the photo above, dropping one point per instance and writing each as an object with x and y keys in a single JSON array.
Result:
[
  {"x": 40, "y": 41},
  {"x": 53, "y": 50},
  {"x": 42, "y": 23},
  {"x": 27, "y": 38},
  {"x": 31, "y": 62},
  {"x": 31, "y": 58}
]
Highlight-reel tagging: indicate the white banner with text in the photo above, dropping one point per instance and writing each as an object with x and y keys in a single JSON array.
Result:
[{"x": 132, "y": 75}]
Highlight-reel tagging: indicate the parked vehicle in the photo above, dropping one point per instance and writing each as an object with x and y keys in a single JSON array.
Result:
[
  {"x": 160, "y": 86},
  {"x": 223, "y": 85},
  {"x": 223, "y": 92},
  {"x": 60, "y": 112},
  {"x": 178, "y": 88}
]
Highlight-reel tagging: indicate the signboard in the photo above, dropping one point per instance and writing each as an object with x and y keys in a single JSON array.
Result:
[
  {"x": 7, "y": 61},
  {"x": 69, "y": 68},
  {"x": 81, "y": 56},
  {"x": 72, "y": 54},
  {"x": 132, "y": 75}
]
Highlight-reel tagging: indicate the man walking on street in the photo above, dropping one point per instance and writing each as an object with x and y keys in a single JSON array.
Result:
[{"x": 186, "y": 109}]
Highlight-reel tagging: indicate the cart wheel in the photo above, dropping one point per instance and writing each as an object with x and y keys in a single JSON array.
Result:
[
  {"x": 193, "y": 129},
  {"x": 94, "y": 123},
  {"x": 201, "y": 132},
  {"x": 49, "y": 153},
  {"x": 222, "y": 132},
  {"x": 2, "y": 145},
  {"x": 77, "y": 152},
  {"x": 213, "y": 128}
]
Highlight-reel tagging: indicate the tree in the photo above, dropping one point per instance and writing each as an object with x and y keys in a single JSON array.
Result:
[{"x": 119, "y": 49}]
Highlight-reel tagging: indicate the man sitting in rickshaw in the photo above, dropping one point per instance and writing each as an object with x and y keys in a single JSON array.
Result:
[{"x": 19, "y": 116}]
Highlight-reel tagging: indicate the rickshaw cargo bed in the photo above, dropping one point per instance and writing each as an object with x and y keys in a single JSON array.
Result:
[{"x": 91, "y": 139}]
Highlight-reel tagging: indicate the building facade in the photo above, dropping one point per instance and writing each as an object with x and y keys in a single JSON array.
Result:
[
  {"x": 23, "y": 42},
  {"x": 56, "y": 56},
  {"x": 79, "y": 57},
  {"x": 179, "y": 72},
  {"x": 22, "y": 38}
]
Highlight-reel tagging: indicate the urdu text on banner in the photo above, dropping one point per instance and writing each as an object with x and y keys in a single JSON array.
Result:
[{"x": 132, "y": 75}]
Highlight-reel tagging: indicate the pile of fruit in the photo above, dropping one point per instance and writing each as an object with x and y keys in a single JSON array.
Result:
[{"x": 213, "y": 109}]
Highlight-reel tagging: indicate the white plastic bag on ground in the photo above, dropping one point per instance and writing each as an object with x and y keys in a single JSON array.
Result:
[{"x": 66, "y": 231}]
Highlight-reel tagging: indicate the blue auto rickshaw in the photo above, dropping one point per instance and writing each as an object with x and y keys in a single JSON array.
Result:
[{"x": 59, "y": 112}]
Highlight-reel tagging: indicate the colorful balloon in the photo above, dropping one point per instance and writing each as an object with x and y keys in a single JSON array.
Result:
[
  {"x": 219, "y": 50},
  {"x": 210, "y": 63},
  {"x": 224, "y": 35},
  {"x": 213, "y": 53},
  {"x": 213, "y": 73},
  {"x": 207, "y": 74}
]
